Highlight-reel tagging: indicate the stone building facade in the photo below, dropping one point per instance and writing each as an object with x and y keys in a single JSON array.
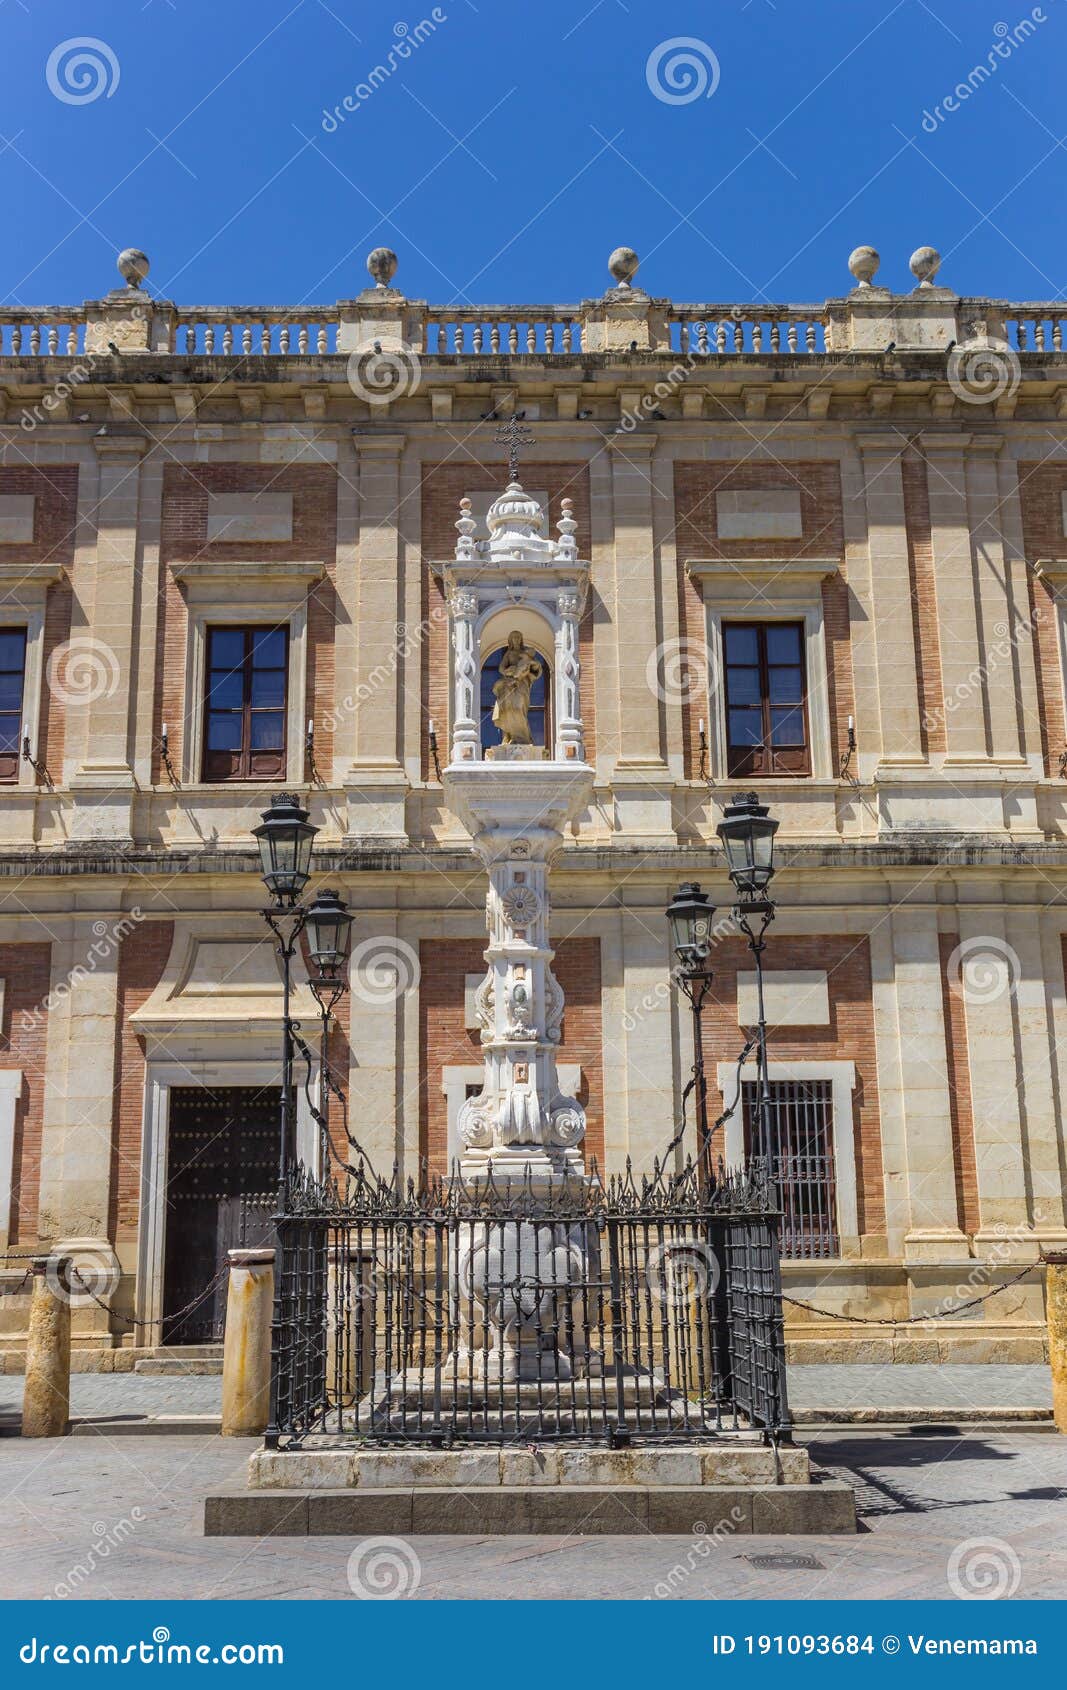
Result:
[{"x": 828, "y": 545}]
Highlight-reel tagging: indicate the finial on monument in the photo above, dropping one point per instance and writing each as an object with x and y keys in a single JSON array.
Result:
[
  {"x": 924, "y": 264},
  {"x": 382, "y": 263},
  {"x": 132, "y": 265},
  {"x": 623, "y": 265},
  {"x": 513, "y": 434}
]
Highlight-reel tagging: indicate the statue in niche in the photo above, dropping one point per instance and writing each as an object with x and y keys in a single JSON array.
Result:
[{"x": 519, "y": 669}]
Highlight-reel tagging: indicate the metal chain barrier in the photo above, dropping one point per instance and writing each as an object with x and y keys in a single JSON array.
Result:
[
  {"x": 913, "y": 1319},
  {"x": 130, "y": 1320}
]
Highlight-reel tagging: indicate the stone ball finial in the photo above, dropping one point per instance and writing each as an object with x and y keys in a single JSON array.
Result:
[
  {"x": 382, "y": 264},
  {"x": 133, "y": 266},
  {"x": 623, "y": 266},
  {"x": 924, "y": 264},
  {"x": 863, "y": 263}
]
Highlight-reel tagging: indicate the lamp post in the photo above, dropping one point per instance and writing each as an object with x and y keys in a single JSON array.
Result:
[
  {"x": 285, "y": 838},
  {"x": 690, "y": 917},
  {"x": 747, "y": 832}
]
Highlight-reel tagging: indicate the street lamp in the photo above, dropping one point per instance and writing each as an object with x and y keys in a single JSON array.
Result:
[
  {"x": 747, "y": 832},
  {"x": 689, "y": 918},
  {"x": 285, "y": 837}
]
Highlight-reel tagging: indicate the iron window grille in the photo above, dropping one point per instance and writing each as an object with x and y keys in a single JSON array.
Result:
[{"x": 800, "y": 1156}]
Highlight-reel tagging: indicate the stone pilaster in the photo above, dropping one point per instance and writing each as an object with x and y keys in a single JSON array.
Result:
[
  {"x": 641, "y": 778},
  {"x": 957, "y": 613},
  {"x": 376, "y": 782},
  {"x": 98, "y": 671},
  {"x": 891, "y": 614}
]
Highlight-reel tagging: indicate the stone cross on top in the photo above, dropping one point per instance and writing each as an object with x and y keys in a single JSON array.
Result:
[{"x": 513, "y": 434}]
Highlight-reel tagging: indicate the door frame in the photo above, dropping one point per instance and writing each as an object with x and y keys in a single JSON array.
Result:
[{"x": 160, "y": 1075}]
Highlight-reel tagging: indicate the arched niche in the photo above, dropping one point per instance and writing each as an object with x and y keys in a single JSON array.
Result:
[{"x": 537, "y": 633}]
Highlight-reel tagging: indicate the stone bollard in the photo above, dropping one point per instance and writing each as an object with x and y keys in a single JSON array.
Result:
[
  {"x": 1056, "y": 1309},
  {"x": 46, "y": 1398},
  {"x": 246, "y": 1347}
]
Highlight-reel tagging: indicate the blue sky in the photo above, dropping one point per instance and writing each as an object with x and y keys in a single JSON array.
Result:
[{"x": 516, "y": 144}]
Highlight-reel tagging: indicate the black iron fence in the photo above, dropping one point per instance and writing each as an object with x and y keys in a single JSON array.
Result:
[{"x": 582, "y": 1312}]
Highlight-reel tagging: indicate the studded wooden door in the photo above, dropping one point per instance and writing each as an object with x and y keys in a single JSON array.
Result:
[{"x": 222, "y": 1183}]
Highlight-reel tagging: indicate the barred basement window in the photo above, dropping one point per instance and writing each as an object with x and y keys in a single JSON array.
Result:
[
  {"x": 800, "y": 1152},
  {"x": 245, "y": 703},
  {"x": 12, "y": 683},
  {"x": 766, "y": 707}
]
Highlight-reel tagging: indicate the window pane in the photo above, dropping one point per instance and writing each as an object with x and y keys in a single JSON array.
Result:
[
  {"x": 9, "y": 733},
  {"x": 746, "y": 727},
  {"x": 742, "y": 686},
  {"x": 10, "y": 692},
  {"x": 267, "y": 730},
  {"x": 786, "y": 685},
  {"x": 225, "y": 690},
  {"x": 783, "y": 643},
  {"x": 268, "y": 648},
  {"x": 742, "y": 644},
  {"x": 227, "y": 648},
  {"x": 268, "y": 687},
  {"x": 12, "y": 649},
  {"x": 787, "y": 727},
  {"x": 224, "y": 732}
]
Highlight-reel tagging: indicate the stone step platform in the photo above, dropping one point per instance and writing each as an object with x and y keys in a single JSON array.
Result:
[
  {"x": 728, "y": 1461},
  {"x": 180, "y": 1367},
  {"x": 713, "y": 1513}
]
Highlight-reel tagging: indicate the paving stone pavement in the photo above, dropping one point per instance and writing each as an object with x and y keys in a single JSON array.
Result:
[
  {"x": 818, "y": 1386},
  {"x": 96, "y": 1518}
]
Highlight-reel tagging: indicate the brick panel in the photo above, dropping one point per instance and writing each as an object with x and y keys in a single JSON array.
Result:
[
  {"x": 55, "y": 515},
  {"x": 819, "y": 485},
  {"x": 961, "y": 1109},
  {"x": 443, "y": 486},
  {"x": 142, "y": 959},
  {"x": 848, "y": 1038},
  {"x": 25, "y": 969},
  {"x": 1041, "y": 487},
  {"x": 444, "y": 1041},
  {"x": 184, "y": 538},
  {"x": 923, "y": 603}
]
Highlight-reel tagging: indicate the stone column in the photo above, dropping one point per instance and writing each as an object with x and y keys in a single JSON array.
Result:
[
  {"x": 98, "y": 672},
  {"x": 891, "y": 614},
  {"x": 246, "y": 1349},
  {"x": 46, "y": 1397},
  {"x": 641, "y": 779},
  {"x": 1056, "y": 1307},
  {"x": 957, "y": 598},
  {"x": 466, "y": 733},
  {"x": 568, "y": 672},
  {"x": 376, "y": 782}
]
